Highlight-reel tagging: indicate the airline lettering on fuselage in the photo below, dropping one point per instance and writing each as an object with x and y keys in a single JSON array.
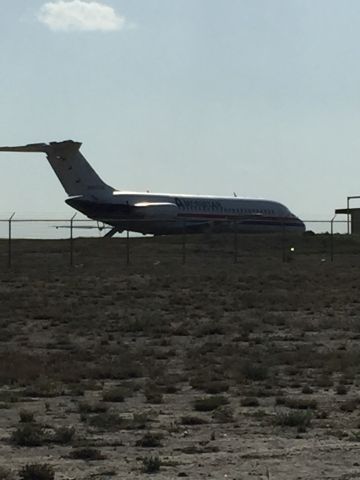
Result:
[{"x": 192, "y": 204}]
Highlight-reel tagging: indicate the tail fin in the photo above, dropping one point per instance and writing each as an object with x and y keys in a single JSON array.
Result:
[{"x": 74, "y": 172}]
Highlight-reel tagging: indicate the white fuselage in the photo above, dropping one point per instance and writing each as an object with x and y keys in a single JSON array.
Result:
[{"x": 174, "y": 213}]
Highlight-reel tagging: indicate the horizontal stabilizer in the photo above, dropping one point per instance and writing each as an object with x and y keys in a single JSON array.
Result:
[
  {"x": 33, "y": 147},
  {"x": 66, "y": 146}
]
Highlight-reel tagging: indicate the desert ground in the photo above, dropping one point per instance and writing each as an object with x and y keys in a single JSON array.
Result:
[{"x": 172, "y": 357}]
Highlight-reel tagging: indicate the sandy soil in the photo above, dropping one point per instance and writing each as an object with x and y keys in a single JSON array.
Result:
[{"x": 217, "y": 369}]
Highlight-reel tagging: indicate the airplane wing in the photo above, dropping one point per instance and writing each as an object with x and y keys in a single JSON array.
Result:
[
  {"x": 156, "y": 209},
  {"x": 79, "y": 227}
]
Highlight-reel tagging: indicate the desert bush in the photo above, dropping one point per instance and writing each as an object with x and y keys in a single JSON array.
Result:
[
  {"x": 211, "y": 327},
  {"x": 26, "y": 416},
  {"x": 255, "y": 372},
  {"x": 324, "y": 381},
  {"x": 151, "y": 464},
  {"x": 196, "y": 450},
  {"x": 63, "y": 435},
  {"x": 37, "y": 471},
  {"x": 105, "y": 421},
  {"x": 44, "y": 388},
  {"x": 215, "y": 387},
  {"x": 7, "y": 396},
  {"x": 223, "y": 414},
  {"x": 138, "y": 421},
  {"x": 149, "y": 440},
  {"x": 97, "y": 407},
  {"x": 124, "y": 368},
  {"x": 307, "y": 390},
  {"x": 299, "y": 419},
  {"x": 263, "y": 392},
  {"x": 355, "y": 437},
  {"x": 197, "y": 382},
  {"x": 207, "y": 404},
  {"x": 249, "y": 402},
  {"x": 350, "y": 405},
  {"x": 192, "y": 420},
  {"x": 76, "y": 390},
  {"x": 114, "y": 395},
  {"x": 299, "y": 403},
  {"x": 29, "y": 435},
  {"x": 322, "y": 415},
  {"x": 170, "y": 389},
  {"x": 153, "y": 393},
  {"x": 341, "y": 389},
  {"x": 86, "y": 453},
  {"x": 154, "y": 397},
  {"x": 6, "y": 474}
]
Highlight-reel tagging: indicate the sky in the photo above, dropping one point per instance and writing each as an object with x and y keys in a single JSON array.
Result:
[{"x": 257, "y": 97}]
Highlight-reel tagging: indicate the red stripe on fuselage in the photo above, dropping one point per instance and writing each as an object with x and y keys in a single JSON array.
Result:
[{"x": 239, "y": 217}]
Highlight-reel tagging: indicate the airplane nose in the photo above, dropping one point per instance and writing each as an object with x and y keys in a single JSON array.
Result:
[{"x": 302, "y": 225}]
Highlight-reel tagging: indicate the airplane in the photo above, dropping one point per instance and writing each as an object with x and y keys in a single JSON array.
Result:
[{"x": 157, "y": 213}]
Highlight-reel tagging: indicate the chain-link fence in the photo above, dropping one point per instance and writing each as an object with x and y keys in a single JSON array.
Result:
[{"x": 76, "y": 242}]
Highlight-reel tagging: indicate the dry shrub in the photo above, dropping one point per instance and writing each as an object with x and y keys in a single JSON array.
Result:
[
  {"x": 224, "y": 414},
  {"x": 255, "y": 372},
  {"x": 44, "y": 387},
  {"x": 96, "y": 407},
  {"x": 299, "y": 403},
  {"x": 116, "y": 394},
  {"x": 299, "y": 419},
  {"x": 215, "y": 387},
  {"x": 106, "y": 421},
  {"x": 249, "y": 402},
  {"x": 350, "y": 405},
  {"x": 207, "y": 404},
  {"x": 149, "y": 440},
  {"x": 29, "y": 435},
  {"x": 86, "y": 453},
  {"x": 153, "y": 393},
  {"x": 192, "y": 420},
  {"x": 63, "y": 435},
  {"x": 37, "y": 471},
  {"x": 151, "y": 464},
  {"x": 26, "y": 416},
  {"x": 6, "y": 474}
]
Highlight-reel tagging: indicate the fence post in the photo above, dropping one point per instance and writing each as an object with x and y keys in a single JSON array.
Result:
[
  {"x": 72, "y": 240},
  {"x": 283, "y": 241},
  {"x": 10, "y": 240},
  {"x": 184, "y": 245},
  {"x": 236, "y": 243},
  {"x": 332, "y": 239},
  {"x": 127, "y": 248}
]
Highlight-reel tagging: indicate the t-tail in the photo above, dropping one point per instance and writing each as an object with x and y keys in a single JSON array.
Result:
[{"x": 72, "y": 169}]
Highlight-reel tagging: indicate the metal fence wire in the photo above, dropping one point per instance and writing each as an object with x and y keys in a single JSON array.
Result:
[{"x": 77, "y": 244}]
